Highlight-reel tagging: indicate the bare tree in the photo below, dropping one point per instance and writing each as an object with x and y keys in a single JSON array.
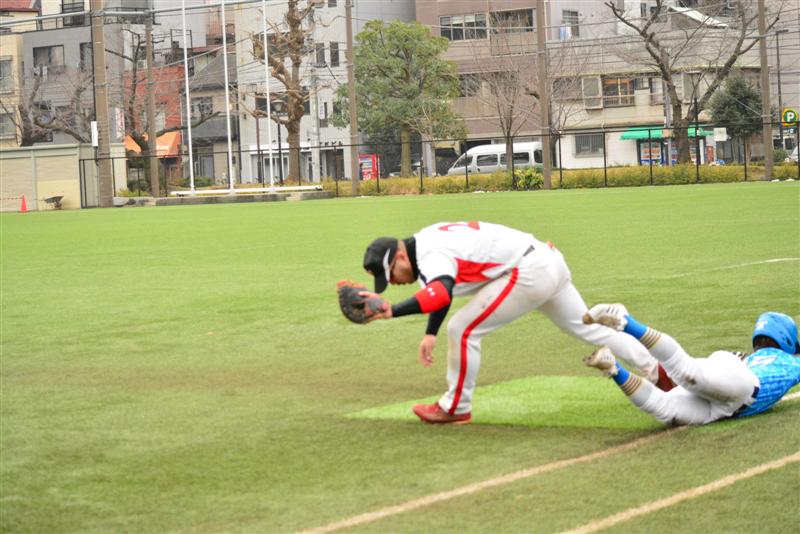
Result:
[
  {"x": 566, "y": 63},
  {"x": 288, "y": 45},
  {"x": 134, "y": 91},
  {"x": 36, "y": 118},
  {"x": 506, "y": 85},
  {"x": 706, "y": 50}
]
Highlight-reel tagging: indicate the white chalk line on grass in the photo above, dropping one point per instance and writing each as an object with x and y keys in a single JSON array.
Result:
[
  {"x": 677, "y": 498},
  {"x": 728, "y": 267},
  {"x": 486, "y": 484},
  {"x": 469, "y": 489}
]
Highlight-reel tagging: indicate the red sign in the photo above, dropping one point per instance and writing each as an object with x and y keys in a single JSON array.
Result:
[{"x": 369, "y": 165}]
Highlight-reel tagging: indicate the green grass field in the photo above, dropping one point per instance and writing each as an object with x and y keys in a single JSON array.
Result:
[{"x": 187, "y": 369}]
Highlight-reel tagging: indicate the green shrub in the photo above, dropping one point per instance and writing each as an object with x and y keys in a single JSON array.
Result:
[
  {"x": 779, "y": 155},
  {"x": 528, "y": 179},
  {"x": 199, "y": 181},
  {"x": 785, "y": 171},
  {"x": 531, "y": 179},
  {"x": 128, "y": 193}
]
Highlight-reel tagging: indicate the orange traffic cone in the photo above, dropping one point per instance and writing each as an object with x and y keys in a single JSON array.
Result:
[{"x": 23, "y": 207}]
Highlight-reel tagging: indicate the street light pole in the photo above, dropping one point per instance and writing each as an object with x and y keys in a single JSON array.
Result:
[{"x": 778, "y": 64}]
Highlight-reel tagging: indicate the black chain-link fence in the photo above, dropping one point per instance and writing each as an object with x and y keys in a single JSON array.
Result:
[{"x": 639, "y": 154}]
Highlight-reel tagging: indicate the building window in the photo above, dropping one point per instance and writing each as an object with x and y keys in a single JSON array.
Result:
[
  {"x": 463, "y": 27},
  {"x": 617, "y": 92},
  {"x": 567, "y": 89},
  {"x": 641, "y": 83},
  {"x": 589, "y": 144},
  {"x": 570, "y": 26},
  {"x": 331, "y": 3},
  {"x": 48, "y": 60},
  {"x": 6, "y": 79},
  {"x": 592, "y": 97},
  {"x": 323, "y": 114},
  {"x": 470, "y": 84},
  {"x": 7, "y": 129},
  {"x": 334, "y": 46},
  {"x": 202, "y": 106},
  {"x": 44, "y": 114},
  {"x": 320, "y": 52},
  {"x": 656, "y": 91},
  {"x": 73, "y": 6},
  {"x": 690, "y": 82},
  {"x": 86, "y": 57},
  {"x": 520, "y": 20},
  {"x": 643, "y": 10}
]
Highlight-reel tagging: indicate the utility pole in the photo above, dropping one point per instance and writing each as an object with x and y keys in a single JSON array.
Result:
[
  {"x": 316, "y": 157},
  {"x": 355, "y": 173},
  {"x": 544, "y": 92},
  {"x": 105, "y": 185},
  {"x": 766, "y": 112},
  {"x": 151, "y": 107}
]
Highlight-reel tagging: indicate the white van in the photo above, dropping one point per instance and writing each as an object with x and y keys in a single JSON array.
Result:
[{"x": 491, "y": 158}]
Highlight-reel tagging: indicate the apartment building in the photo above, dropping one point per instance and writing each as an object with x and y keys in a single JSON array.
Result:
[
  {"x": 487, "y": 38},
  {"x": 11, "y": 66}
]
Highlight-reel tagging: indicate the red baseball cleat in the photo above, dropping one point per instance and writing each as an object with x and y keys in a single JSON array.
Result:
[{"x": 433, "y": 414}]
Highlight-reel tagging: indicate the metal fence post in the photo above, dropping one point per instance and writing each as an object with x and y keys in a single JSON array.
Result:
[
  {"x": 560, "y": 164},
  {"x": 650, "y": 152},
  {"x": 696, "y": 142},
  {"x": 510, "y": 165},
  {"x": 335, "y": 171},
  {"x": 466, "y": 164},
  {"x": 378, "y": 173},
  {"x": 605, "y": 161},
  {"x": 744, "y": 158},
  {"x": 797, "y": 144}
]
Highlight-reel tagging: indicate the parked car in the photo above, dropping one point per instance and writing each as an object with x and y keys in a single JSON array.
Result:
[
  {"x": 414, "y": 170},
  {"x": 491, "y": 158},
  {"x": 792, "y": 158}
]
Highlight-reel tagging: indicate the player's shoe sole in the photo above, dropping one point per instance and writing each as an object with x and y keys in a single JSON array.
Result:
[
  {"x": 603, "y": 360},
  {"x": 434, "y": 415},
  {"x": 610, "y": 315}
]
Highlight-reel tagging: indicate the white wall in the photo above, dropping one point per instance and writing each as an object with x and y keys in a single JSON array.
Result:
[{"x": 619, "y": 152}]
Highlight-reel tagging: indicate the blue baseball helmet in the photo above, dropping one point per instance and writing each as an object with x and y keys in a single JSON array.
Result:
[{"x": 781, "y": 328}]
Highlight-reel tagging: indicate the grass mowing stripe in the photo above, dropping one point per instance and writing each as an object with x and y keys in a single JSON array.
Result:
[
  {"x": 677, "y": 498},
  {"x": 469, "y": 489}
]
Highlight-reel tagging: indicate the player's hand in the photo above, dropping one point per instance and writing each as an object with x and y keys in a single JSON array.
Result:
[
  {"x": 426, "y": 350},
  {"x": 385, "y": 313}
]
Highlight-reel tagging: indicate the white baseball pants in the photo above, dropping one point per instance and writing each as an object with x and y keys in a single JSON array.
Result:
[
  {"x": 708, "y": 388},
  {"x": 541, "y": 281}
]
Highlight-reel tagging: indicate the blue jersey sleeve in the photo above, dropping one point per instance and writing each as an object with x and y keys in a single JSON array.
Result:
[{"x": 777, "y": 372}]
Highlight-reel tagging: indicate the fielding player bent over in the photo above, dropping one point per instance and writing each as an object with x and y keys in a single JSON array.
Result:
[
  {"x": 723, "y": 385},
  {"x": 509, "y": 272}
]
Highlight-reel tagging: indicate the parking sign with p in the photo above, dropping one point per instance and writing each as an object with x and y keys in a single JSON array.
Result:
[{"x": 789, "y": 117}]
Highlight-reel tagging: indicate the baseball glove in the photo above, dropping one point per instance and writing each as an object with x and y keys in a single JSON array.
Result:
[{"x": 356, "y": 307}]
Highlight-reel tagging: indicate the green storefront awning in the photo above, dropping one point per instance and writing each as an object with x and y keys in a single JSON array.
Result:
[{"x": 656, "y": 132}]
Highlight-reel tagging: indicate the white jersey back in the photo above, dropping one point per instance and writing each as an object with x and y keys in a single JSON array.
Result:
[{"x": 472, "y": 253}]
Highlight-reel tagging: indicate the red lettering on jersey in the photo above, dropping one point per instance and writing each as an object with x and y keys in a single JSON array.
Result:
[
  {"x": 470, "y": 271},
  {"x": 471, "y": 224}
]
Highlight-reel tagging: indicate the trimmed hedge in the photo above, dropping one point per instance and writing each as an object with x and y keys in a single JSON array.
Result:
[{"x": 573, "y": 179}]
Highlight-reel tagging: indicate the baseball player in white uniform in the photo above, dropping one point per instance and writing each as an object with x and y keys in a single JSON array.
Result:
[{"x": 510, "y": 273}]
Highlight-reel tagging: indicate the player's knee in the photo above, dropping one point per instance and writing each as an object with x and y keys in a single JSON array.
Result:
[{"x": 454, "y": 329}]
